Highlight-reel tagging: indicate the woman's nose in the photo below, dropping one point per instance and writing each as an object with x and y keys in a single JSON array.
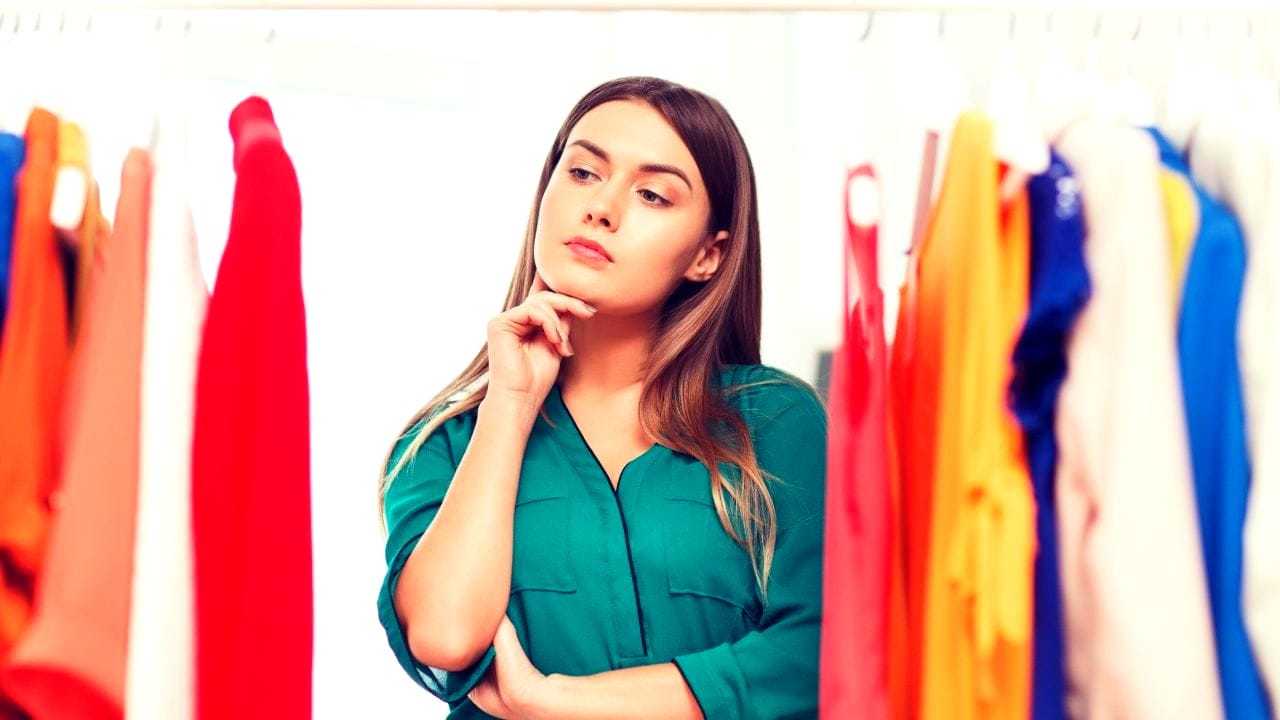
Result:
[{"x": 602, "y": 210}]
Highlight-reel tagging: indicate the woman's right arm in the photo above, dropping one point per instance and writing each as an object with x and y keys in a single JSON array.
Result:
[
  {"x": 454, "y": 587},
  {"x": 453, "y": 590}
]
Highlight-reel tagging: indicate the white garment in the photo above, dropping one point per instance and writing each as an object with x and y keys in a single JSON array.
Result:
[
  {"x": 1137, "y": 623},
  {"x": 161, "y": 667},
  {"x": 1236, "y": 156}
]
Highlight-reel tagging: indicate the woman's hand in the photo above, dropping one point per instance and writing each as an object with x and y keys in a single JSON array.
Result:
[
  {"x": 527, "y": 342},
  {"x": 513, "y": 688}
]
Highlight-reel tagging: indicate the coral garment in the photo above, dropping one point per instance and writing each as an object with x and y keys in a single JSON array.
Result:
[{"x": 71, "y": 662}]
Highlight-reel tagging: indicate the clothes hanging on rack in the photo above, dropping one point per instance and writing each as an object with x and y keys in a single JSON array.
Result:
[
  {"x": 250, "y": 496},
  {"x": 976, "y": 661},
  {"x": 33, "y": 362},
  {"x": 854, "y": 663},
  {"x": 1209, "y": 363},
  {"x": 71, "y": 661},
  {"x": 12, "y": 150},
  {"x": 1142, "y": 452},
  {"x": 914, "y": 376},
  {"x": 1059, "y": 288},
  {"x": 1236, "y": 157},
  {"x": 161, "y": 659},
  {"x": 1182, "y": 214},
  {"x": 1133, "y": 585},
  {"x": 79, "y": 244}
]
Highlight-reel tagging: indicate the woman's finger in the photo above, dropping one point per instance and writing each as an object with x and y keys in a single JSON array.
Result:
[
  {"x": 531, "y": 317},
  {"x": 563, "y": 321},
  {"x": 566, "y": 304},
  {"x": 547, "y": 319},
  {"x": 488, "y": 698}
]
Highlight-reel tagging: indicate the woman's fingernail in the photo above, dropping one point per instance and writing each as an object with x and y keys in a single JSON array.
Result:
[{"x": 589, "y": 308}]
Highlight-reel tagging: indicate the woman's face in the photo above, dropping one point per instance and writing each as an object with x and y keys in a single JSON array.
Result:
[{"x": 627, "y": 183}]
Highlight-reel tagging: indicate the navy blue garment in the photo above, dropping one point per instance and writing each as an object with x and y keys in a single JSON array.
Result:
[
  {"x": 1059, "y": 289},
  {"x": 1211, "y": 389},
  {"x": 12, "y": 152}
]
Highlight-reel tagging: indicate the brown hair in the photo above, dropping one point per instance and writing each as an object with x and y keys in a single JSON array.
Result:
[{"x": 704, "y": 326}]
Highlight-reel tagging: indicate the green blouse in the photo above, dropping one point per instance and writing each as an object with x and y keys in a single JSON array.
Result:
[{"x": 603, "y": 580}]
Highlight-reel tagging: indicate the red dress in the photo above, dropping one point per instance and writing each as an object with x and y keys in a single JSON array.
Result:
[{"x": 251, "y": 475}]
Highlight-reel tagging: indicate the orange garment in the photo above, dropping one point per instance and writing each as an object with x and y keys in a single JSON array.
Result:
[
  {"x": 33, "y": 368},
  {"x": 900, "y": 698},
  {"x": 914, "y": 373},
  {"x": 73, "y": 151},
  {"x": 71, "y": 662},
  {"x": 977, "y": 642}
]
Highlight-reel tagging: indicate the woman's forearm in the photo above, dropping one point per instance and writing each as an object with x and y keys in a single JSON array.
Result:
[
  {"x": 648, "y": 692},
  {"x": 454, "y": 587}
]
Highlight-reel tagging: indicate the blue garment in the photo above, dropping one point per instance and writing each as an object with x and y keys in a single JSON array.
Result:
[
  {"x": 12, "y": 151},
  {"x": 1211, "y": 389},
  {"x": 1059, "y": 289}
]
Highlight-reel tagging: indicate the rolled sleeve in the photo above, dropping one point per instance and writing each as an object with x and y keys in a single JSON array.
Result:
[
  {"x": 771, "y": 673},
  {"x": 411, "y": 504}
]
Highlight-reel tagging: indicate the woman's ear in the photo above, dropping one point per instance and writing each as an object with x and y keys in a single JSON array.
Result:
[{"x": 707, "y": 261}]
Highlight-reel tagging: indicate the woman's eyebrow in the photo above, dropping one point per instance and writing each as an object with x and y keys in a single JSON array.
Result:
[{"x": 599, "y": 152}]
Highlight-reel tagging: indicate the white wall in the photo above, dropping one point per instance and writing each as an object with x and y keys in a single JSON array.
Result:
[{"x": 418, "y": 138}]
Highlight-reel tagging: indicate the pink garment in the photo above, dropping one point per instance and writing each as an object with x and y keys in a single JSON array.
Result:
[
  {"x": 1138, "y": 629},
  {"x": 853, "y": 672}
]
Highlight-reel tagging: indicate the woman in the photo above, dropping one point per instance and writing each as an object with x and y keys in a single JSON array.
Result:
[{"x": 616, "y": 511}]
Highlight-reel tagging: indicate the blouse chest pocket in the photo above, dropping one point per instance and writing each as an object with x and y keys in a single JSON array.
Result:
[
  {"x": 540, "y": 545},
  {"x": 702, "y": 559}
]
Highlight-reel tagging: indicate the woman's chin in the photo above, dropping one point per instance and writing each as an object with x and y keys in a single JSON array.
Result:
[{"x": 565, "y": 284}]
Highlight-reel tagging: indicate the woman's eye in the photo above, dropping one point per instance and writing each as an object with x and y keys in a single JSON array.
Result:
[
  {"x": 581, "y": 174},
  {"x": 653, "y": 198}
]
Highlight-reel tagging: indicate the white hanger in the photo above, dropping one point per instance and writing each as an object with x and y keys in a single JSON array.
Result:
[
  {"x": 19, "y": 86},
  {"x": 1096, "y": 87},
  {"x": 71, "y": 183},
  {"x": 1019, "y": 141},
  {"x": 1189, "y": 87},
  {"x": 1058, "y": 94},
  {"x": 863, "y": 193},
  {"x": 1256, "y": 93},
  {"x": 262, "y": 80},
  {"x": 950, "y": 93},
  {"x": 1131, "y": 99},
  {"x": 5, "y": 61},
  {"x": 854, "y": 146},
  {"x": 161, "y": 86}
]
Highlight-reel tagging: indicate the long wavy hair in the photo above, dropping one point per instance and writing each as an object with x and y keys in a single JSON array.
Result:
[{"x": 703, "y": 327}]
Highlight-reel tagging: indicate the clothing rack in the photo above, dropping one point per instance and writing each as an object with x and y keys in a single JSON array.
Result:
[{"x": 1196, "y": 7}]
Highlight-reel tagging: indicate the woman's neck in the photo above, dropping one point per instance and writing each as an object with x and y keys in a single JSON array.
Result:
[{"x": 610, "y": 353}]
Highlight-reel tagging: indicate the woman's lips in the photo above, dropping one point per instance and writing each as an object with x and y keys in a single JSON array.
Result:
[{"x": 588, "y": 250}]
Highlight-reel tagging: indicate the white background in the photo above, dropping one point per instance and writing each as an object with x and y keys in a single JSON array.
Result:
[{"x": 418, "y": 137}]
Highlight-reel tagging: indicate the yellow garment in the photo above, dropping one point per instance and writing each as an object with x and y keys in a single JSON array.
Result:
[
  {"x": 1183, "y": 214},
  {"x": 977, "y": 654},
  {"x": 73, "y": 151}
]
